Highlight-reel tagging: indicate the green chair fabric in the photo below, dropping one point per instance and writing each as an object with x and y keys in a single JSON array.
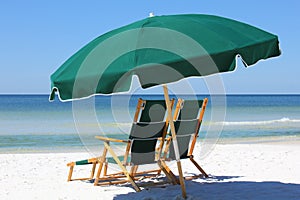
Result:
[
  {"x": 190, "y": 109},
  {"x": 82, "y": 162},
  {"x": 145, "y": 132},
  {"x": 185, "y": 127},
  {"x": 144, "y": 138},
  {"x": 154, "y": 111},
  {"x": 184, "y": 131}
]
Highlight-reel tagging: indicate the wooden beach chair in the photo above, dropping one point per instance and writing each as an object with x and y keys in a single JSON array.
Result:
[
  {"x": 188, "y": 117},
  {"x": 148, "y": 126}
]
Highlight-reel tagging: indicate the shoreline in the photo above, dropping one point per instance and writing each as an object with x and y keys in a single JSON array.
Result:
[
  {"x": 268, "y": 140},
  {"x": 288, "y": 140}
]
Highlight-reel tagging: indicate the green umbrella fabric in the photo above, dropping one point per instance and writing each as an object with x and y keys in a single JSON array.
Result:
[{"x": 159, "y": 50}]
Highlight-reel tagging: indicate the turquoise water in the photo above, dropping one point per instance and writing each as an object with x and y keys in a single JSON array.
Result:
[{"x": 32, "y": 123}]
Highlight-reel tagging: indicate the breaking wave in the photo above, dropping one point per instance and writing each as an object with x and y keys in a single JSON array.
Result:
[{"x": 266, "y": 122}]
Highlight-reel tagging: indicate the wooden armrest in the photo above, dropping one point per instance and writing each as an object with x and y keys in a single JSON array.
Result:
[{"x": 110, "y": 139}]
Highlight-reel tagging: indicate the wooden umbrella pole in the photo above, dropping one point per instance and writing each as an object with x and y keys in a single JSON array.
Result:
[{"x": 174, "y": 140}]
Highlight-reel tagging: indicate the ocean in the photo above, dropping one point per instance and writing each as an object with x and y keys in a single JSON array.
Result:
[{"x": 30, "y": 123}]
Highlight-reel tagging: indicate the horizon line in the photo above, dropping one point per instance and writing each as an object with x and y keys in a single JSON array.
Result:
[{"x": 2, "y": 94}]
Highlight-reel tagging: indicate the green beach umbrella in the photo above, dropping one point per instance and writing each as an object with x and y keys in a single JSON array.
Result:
[
  {"x": 106, "y": 64},
  {"x": 160, "y": 50}
]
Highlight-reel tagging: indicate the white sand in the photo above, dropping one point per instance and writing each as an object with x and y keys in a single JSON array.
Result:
[{"x": 238, "y": 171}]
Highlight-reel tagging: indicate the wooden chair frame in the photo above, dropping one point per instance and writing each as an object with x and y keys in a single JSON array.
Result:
[
  {"x": 123, "y": 176},
  {"x": 193, "y": 140}
]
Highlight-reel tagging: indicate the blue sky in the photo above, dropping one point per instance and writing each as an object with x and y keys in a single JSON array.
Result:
[{"x": 37, "y": 37}]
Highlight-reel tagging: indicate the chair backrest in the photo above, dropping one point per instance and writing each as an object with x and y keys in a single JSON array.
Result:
[
  {"x": 149, "y": 124},
  {"x": 153, "y": 111},
  {"x": 187, "y": 123}
]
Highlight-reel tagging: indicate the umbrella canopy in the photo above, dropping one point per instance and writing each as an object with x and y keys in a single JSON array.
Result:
[{"x": 160, "y": 50}]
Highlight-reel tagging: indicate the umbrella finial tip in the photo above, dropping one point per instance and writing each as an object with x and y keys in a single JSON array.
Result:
[{"x": 151, "y": 14}]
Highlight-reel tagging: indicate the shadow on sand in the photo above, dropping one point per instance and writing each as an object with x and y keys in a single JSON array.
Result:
[{"x": 220, "y": 188}]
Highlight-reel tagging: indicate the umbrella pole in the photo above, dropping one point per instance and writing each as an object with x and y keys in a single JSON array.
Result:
[{"x": 174, "y": 140}]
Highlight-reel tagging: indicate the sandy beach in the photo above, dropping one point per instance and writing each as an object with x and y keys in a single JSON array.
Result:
[{"x": 237, "y": 171}]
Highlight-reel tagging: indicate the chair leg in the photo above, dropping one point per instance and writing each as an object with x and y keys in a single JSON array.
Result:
[
  {"x": 133, "y": 170},
  {"x": 101, "y": 161},
  {"x": 158, "y": 172},
  {"x": 98, "y": 174},
  {"x": 105, "y": 169},
  {"x": 164, "y": 156},
  {"x": 129, "y": 177},
  {"x": 93, "y": 170},
  {"x": 169, "y": 174},
  {"x": 70, "y": 173},
  {"x": 198, "y": 166}
]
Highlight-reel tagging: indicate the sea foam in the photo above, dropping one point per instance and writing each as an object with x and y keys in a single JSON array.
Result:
[{"x": 283, "y": 120}]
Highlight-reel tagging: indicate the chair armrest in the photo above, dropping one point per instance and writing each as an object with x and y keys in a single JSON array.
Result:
[{"x": 110, "y": 139}]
